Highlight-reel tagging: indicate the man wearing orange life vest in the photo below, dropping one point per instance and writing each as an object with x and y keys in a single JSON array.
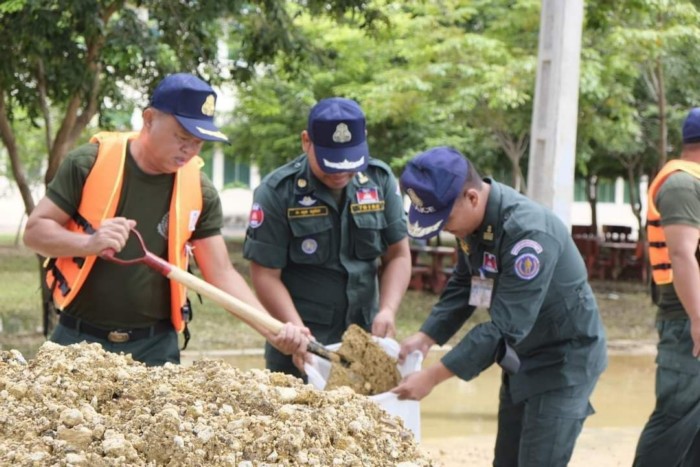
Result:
[
  {"x": 672, "y": 434},
  {"x": 150, "y": 180}
]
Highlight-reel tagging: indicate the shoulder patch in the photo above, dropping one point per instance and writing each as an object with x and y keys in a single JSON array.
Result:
[
  {"x": 257, "y": 216},
  {"x": 527, "y": 266},
  {"x": 526, "y": 244}
]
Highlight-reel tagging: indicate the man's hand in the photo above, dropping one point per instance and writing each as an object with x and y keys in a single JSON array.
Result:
[
  {"x": 419, "y": 384},
  {"x": 695, "y": 334},
  {"x": 112, "y": 234},
  {"x": 384, "y": 324},
  {"x": 418, "y": 341},
  {"x": 291, "y": 339}
]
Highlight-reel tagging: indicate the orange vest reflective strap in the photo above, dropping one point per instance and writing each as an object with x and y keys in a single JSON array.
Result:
[
  {"x": 100, "y": 198},
  {"x": 658, "y": 250},
  {"x": 185, "y": 209}
]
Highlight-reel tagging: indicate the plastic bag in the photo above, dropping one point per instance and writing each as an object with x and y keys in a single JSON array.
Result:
[{"x": 408, "y": 411}]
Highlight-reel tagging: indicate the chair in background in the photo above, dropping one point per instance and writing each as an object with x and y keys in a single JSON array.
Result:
[
  {"x": 588, "y": 243},
  {"x": 617, "y": 234},
  {"x": 636, "y": 265}
]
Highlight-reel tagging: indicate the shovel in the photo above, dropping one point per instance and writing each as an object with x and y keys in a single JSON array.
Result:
[{"x": 238, "y": 308}]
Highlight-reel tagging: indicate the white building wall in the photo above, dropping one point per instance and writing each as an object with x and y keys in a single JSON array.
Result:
[{"x": 616, "y": 213}]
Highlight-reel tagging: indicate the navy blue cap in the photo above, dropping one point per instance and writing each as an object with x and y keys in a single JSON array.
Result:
[
  {"x": 432, "y": 180},
  {"x": 192, "y": 102},
  {"x": 336, "y": 127},
  {"x": 691, "y": 126}
]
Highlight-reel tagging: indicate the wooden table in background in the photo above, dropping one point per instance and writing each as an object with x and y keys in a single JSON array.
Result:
[
  {"x": 619, "y": 251},
  {"x": 429, "y": 270}
]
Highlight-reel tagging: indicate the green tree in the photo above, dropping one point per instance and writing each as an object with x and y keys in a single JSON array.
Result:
[
  {"x": 435, "y": 73},
  {"x": 69, "y": 62},
  {"x": 635, "y": 66}
]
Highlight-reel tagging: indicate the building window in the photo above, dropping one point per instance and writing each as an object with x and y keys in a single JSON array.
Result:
[{"x": 606, "y": 190}]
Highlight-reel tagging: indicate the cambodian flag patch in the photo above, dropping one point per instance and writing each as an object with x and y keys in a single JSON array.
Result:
[
  {"x": 490, "y": 263},
  {"x": 527, "y": 266},
  {"x": 257, "y": 216},
  {"x": 367, "y": 195}
]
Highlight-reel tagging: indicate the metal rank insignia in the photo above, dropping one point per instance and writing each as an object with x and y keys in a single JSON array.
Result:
[
  {"x": 488, "y": 235},
  {"x": 464, "y": 246},
  {"x": 209, "y": 106}
]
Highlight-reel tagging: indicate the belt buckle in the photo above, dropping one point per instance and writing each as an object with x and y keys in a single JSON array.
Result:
[{"x": 118, "y": 337}]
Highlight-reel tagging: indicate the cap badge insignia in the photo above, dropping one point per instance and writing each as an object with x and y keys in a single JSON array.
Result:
[
  {"x": 342, "y": 134},
  {"x": 209, "y": 105},
  {"x": 416, "y": 230},
  {"x": 414, "y": 198}
]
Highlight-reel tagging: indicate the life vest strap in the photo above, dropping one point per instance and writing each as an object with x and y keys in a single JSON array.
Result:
[{"x": 83, "y": 223}]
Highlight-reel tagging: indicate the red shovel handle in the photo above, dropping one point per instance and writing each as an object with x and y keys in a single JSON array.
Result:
[{"x": 149, "y": 259}]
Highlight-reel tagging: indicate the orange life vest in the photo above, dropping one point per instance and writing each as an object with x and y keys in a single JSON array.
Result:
[
  {"x": 99, "y": 201},
  {"x": 658, "y": 251}
]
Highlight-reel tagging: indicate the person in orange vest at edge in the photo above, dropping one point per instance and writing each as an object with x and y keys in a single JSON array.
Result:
[
  {"x": 671, "y": 437},
  {"x": 160, "y": 189}
]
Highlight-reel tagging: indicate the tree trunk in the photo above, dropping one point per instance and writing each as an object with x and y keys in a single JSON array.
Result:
[
  {"x": 18, "y": 172},
  {"x": 661, "y": 97},
  {"x": 592, "y": 196}
]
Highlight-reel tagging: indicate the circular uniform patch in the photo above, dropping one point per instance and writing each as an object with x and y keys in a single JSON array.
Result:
[
  {"x": 257, "y": 216},
  {"x": 527, "y": 266},
  {"x": 309, "y": 246}
]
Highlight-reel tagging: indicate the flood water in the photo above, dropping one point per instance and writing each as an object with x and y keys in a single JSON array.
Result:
[{"x": 624, "y": 396}]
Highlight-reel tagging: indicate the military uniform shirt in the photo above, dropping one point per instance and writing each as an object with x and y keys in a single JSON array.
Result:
[
  {"x": 129, "y": 296},
  {"x": 678, "y": 201},
  {"x": 327, "y": 251},
  {"x": 541, "y": 304}
]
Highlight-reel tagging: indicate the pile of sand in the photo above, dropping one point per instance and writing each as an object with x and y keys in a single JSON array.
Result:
[{"x": 80, "y": 405}]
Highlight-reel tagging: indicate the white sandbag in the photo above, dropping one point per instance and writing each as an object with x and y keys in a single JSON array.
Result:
[{"x": 408, "y": 411}]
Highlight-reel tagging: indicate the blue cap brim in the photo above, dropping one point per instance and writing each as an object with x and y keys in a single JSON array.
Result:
[
  {"x": 338, "y": 160},
  {"x": 202, "y": 129},
  {"x": 427, "y": 225}
]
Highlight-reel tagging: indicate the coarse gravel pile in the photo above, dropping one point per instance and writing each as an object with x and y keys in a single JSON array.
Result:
[{"x": 79, "y": 405}]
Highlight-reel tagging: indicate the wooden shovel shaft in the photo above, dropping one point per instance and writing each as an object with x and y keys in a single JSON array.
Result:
[
  {"x": 240, "y": 309},
  {"x": 235, "y": 306}
]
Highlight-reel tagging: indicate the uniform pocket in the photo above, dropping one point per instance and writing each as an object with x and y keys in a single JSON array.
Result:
[
  {"x": 367, "y": 235},
  {"x": 311, "y": 240}
]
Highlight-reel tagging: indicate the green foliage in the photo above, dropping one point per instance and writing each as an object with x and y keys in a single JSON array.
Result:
[{"x": 434, "y": 74}]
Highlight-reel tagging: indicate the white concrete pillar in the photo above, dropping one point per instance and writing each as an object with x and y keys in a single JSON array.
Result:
[
  {"x": 217, "y": 169},
  {"x": 555, "y": 108}
]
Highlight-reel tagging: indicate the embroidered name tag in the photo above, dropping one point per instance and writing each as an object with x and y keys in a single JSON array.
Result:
[
  {"x": 367, "y": 207},
  {"x": 317, "y": 211}
]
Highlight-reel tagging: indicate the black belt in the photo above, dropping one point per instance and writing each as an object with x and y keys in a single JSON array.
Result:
[{"x": 115, "y": 335}]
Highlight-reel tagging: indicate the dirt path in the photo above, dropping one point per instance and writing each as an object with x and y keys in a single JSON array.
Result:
[{"x": 601, "y": 447}]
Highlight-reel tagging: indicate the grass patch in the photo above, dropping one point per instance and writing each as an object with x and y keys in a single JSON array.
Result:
[{"x": 625, "y": 306}]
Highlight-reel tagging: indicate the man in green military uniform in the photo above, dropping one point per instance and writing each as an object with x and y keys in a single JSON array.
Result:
[
  {"x": 319, "y": 228},
  {"x": 518, "y": 260}
]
